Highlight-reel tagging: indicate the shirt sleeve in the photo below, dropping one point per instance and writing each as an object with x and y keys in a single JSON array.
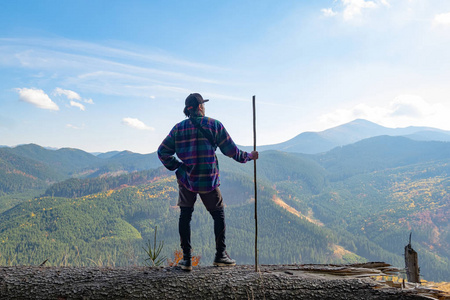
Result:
[
  {"x": 166, "y": 153},
  {"x": 228, "y": 147}
]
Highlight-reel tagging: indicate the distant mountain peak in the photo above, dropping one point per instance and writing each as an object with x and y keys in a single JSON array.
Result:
[
  {"x": 362, "y": 122},
  {"x": 125, "y": 152},
  {"x": 351, "y": 132}
]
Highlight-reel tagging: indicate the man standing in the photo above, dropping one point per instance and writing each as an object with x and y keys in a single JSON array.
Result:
[{"x": 194, "y": 142}]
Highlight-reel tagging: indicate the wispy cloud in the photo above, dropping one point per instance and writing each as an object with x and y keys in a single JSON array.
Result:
[
  {"x": 68, "y": 93},
  {"x": 136, "y": 123},
  {"x": 75, "y": 127},
  {"x": 71, "y": 95},
  {"x": 129, "y": 52},
  {"x": 328, "y": 12},
  {"x": 75, "y": 62},
  {"x": 77, "y": 104},
  {"x": 124, "y": 84},
  {"x": 37, "y": 97}
]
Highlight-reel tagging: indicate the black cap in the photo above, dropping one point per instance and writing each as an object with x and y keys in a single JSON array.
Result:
[{"x": 193, "y": 100}]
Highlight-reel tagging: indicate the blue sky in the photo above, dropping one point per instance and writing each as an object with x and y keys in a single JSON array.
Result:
[{"x": 113, "y": 75}]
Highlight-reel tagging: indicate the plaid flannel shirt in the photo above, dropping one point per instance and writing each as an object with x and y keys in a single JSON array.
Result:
[{"x": 198, "y": 169}]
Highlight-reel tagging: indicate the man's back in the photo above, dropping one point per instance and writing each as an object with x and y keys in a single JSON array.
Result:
[{"x": 199, "y": 170}]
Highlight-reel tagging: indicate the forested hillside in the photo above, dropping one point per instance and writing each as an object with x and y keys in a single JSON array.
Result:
[
  {"x": 112, "y": 227},
  {"x": 27, "y": 170},
  {"x": 19, "y": 173},
  {"x": 384, "y": 187},
  {"x": 354, "y": 203},
  {"x": 76, "y": 187}
]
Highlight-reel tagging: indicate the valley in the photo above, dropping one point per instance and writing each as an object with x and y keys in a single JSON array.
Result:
[{"x": 357, "y": 202}]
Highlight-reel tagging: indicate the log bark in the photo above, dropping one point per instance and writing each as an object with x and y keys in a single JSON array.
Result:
[{"x": 240, "y": 282}]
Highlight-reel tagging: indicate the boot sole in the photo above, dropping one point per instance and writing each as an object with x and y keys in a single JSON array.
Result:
[
  {"x": 184, "y": 268},
  {"x": 223, "y": 264}
]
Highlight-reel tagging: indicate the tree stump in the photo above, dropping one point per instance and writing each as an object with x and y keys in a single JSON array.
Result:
[
  {"x": 411, "y": 263},
  {"x": 240, "y": 282}
]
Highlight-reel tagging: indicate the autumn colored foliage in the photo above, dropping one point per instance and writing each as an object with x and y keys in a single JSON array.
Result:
[{"x": 178, "y": 255}]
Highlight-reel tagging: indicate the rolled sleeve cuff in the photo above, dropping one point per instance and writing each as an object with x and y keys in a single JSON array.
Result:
[{"x": 249, "y": 155}]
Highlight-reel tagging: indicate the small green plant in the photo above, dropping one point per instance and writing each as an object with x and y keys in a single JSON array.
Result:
[{"x": 154, "y": 258}]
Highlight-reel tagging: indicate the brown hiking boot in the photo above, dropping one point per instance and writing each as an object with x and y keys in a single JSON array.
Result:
[
  {"x": 224, "y": 260},
  {"x": 185, "y": 264}
]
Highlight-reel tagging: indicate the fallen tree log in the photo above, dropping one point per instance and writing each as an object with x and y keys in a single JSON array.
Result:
[{"x": 240, "y": 282}]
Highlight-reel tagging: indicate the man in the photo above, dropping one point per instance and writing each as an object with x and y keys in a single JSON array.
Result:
[{"x": 194, "y": 142}]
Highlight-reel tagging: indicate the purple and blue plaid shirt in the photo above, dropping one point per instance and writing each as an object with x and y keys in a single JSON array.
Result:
[{"x": 198, "y": 169}]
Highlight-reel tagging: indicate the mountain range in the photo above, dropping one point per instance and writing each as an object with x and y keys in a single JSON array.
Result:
[
  {"x": 355, "y": 202},
  {"x": 305, "y": 142},
  {"x": 359, "y": 129}
]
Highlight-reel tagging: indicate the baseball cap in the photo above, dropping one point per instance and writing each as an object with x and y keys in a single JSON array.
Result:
[{"x": 193, "y": 100}]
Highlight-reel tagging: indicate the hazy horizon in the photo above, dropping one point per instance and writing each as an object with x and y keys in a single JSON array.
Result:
[{"x": 258, "y": 145}]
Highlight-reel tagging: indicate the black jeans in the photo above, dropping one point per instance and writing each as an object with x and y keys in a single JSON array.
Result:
[{"x": 184, "y": 228}]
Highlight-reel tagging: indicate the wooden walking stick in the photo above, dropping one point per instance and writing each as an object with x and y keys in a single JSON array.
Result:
[{"x": 256, "y": 191}]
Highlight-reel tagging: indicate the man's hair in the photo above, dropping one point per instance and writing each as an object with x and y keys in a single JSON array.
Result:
[
  {"x": 192, "y": 102},
  {"x": 189, "y": 112}
]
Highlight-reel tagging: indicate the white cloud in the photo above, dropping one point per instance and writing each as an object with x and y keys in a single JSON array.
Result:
[
  {"x": 385, "y": 3},
  {"x": 360, "y": 111},
  {"x": 136, "y": 123},
  {"x": 403, "y": 110},
  {"x": 353, "y": 8},
  {"x": 328, "y": 12},
  {"x": 442, "y": 19},
  {"x": 75, "y": 127},
  {"x": 410, "y": 106},
  {"x": 37, "y": 97},
  {"x": 71, "y": 95},
  {"x": 77, "y": 104},
  {"x": 68, "y": 93}
]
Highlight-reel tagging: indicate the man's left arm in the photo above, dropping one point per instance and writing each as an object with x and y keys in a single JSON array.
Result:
[{"x": 229, "y": 148}]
